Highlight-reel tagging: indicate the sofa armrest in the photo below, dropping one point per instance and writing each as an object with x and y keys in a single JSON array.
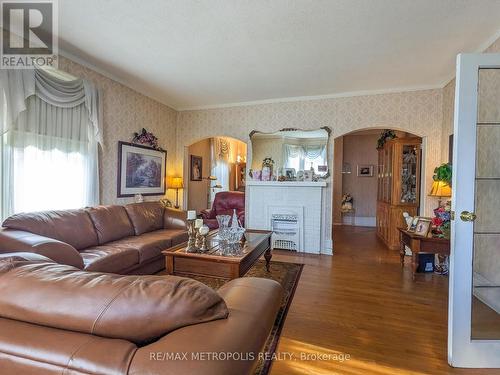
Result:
[
  {"x": 20, "y": 241},
  {"x": 253, "y": 304},
  {"x": 241, "y": 218},
  {"x": 207, "y": 214},
  {"x": 174, "y": 219}
]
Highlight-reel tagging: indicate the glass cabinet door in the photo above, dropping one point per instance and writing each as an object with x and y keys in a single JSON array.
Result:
[
  {"x": 409, "y": 174},
  {"x": 380, "y": 175},
  {"x": 389, "y": 173}
]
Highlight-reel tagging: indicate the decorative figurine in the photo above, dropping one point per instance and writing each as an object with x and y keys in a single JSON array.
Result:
[
  {"x": 347, "y": 203},
  {"x": 203, "y": 231},
  {"x": 191, "y": 219},
  {"x": 408, "y": 220}
]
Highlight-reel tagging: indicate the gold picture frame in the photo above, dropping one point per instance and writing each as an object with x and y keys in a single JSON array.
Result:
[{"x": 423, "y": 226}]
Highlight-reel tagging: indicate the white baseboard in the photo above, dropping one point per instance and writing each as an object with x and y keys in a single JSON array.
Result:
[{"x": 361, "y": 221}]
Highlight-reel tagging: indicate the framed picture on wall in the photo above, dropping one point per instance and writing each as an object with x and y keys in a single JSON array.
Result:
[
  {"x": 365, "y": 170},
  {"x": 141, "y": 170},
  {"x": 196, "y": 168}
]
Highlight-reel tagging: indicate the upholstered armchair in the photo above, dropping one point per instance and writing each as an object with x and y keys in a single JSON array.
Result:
[{"x": 224, "y": 204}]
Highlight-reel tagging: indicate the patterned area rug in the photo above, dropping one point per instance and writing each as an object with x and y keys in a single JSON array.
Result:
[{"x": 288, "y": 275}]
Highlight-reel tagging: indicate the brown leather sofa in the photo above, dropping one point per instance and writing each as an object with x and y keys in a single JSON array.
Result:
[
  {"x": 117, "y": 239},
  {"x": 56, "y": 319}
]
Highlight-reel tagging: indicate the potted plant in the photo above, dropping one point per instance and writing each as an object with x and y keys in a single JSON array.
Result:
[
  {"x": 386, "y": 135},
  {"x": 443, "y": 173}
]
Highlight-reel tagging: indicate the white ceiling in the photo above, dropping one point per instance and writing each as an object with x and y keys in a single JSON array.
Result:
[{"x": 188, "y": 53}]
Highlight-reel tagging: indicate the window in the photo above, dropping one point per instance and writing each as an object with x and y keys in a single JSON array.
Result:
[
  {"x": 47, "y": 179},
  {"x": 303, "y": 157},
  {"x": 48, "y": 156}
]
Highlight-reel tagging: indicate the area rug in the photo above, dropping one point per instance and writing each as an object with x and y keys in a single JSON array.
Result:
[{"x": 288, "y": 275}]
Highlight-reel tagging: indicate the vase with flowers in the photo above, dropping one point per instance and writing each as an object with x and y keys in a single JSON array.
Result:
[{"x": 441, "y": 221}]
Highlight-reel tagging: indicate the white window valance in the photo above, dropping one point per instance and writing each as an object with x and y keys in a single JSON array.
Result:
[
  {"x": 222, "y": 148},
  {"x": 49, "y": 135},
  {"x": 301, "y": 157},
  {"x": 16, "y": 86}
]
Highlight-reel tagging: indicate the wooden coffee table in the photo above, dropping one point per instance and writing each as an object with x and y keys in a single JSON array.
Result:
[{"x": 213, "y": 264}]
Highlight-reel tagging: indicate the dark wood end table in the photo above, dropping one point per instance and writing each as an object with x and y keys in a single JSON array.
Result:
[
  {"x": 213, "y": 264},
  {"x": 419, "y": 244}
]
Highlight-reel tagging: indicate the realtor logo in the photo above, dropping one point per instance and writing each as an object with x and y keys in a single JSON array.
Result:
[{"x": 29, "y": 34}]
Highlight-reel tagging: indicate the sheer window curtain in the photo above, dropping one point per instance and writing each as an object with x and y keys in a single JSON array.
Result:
[
  {"x": 49, "y": 145},
  {"x": 302, "y": 157},
  {"x": 220, "y": 150}
]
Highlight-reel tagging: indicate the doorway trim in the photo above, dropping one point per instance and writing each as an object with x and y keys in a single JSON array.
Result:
[{"x": 462, "y": 350}]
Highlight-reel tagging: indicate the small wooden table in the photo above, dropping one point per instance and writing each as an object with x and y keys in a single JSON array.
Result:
[
  {"x": 213, "y": 264},
  {"x": 419, "y": 244}
]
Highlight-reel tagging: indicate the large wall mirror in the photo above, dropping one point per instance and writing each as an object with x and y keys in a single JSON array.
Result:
[{"x": 290, "y": 155}]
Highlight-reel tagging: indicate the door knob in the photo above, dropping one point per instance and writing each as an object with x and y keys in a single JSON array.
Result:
[{"x": 467, "y": 216}]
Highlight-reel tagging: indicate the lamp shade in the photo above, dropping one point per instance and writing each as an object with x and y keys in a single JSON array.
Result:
[
  {"x": 440, "y": 189},
  {"x": 175, "y": 183}
]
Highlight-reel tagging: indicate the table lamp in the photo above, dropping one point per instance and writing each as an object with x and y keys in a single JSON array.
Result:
[
  {"x": 440, "y": 189},
  {"x": 176, "y": 183}
]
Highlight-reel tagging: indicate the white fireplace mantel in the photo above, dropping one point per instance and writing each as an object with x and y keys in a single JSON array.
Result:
[
  {"x": 304, "y": 199},
  {"x": 286, "y": 183}
]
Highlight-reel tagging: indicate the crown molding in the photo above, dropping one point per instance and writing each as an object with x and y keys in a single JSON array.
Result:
[
  {"x": 488, "y": 42},
  {"x": 482, "y": 47},
  {"x": 313, "y": 97}
]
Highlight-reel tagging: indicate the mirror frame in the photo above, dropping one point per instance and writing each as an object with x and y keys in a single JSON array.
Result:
[{"x": 326, "y": 128}]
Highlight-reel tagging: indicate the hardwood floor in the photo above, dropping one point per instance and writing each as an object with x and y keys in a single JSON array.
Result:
[{"x": 361, "y": 302}]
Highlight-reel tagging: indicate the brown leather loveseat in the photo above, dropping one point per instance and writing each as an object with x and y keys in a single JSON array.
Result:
[
  {"x": 57, "y": 319},
  {"x": 116, "y": 239}
]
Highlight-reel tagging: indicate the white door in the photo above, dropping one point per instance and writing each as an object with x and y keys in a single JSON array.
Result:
[{"x": 474, "y": 299}]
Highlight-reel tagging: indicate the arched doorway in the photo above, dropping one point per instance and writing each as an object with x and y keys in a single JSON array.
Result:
[
  {"x": 212, "y": 165},
  {"x": 364, "y": 180}
]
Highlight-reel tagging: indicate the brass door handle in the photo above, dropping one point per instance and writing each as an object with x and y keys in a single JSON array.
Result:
[{"x": 467, "y": 216}]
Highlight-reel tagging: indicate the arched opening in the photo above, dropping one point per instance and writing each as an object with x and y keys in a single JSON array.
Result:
[
  {"x": 212, "y": 165},
  {"x": 377, "y": 177}
]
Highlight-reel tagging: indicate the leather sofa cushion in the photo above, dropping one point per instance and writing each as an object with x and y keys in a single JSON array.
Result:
[
  {"x": 146, "y": 216},
  {"x": 111, "y": 223},
  {"x": 109, "y": 258},
  {"x": 150, "y": 245},
  {"x": 174, "y": 219},
  {"x": 59, "y": 252},
  {"x": 178, "y": 236},
  {"x": 73, "y": 227},
  {"x": 134, "y": 308},
  {"x": 253, "y": 304},
  {"x": 31, "y": 349}
]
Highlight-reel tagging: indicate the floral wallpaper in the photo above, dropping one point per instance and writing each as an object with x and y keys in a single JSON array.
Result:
[
  {"x": 124, "y": 112},
  {"x": 448, "y": 115},
  {"x": 417, "y": 112}
]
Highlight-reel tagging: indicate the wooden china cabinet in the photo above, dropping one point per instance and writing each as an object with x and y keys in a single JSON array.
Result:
[{"x": 398, "y": 186}]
